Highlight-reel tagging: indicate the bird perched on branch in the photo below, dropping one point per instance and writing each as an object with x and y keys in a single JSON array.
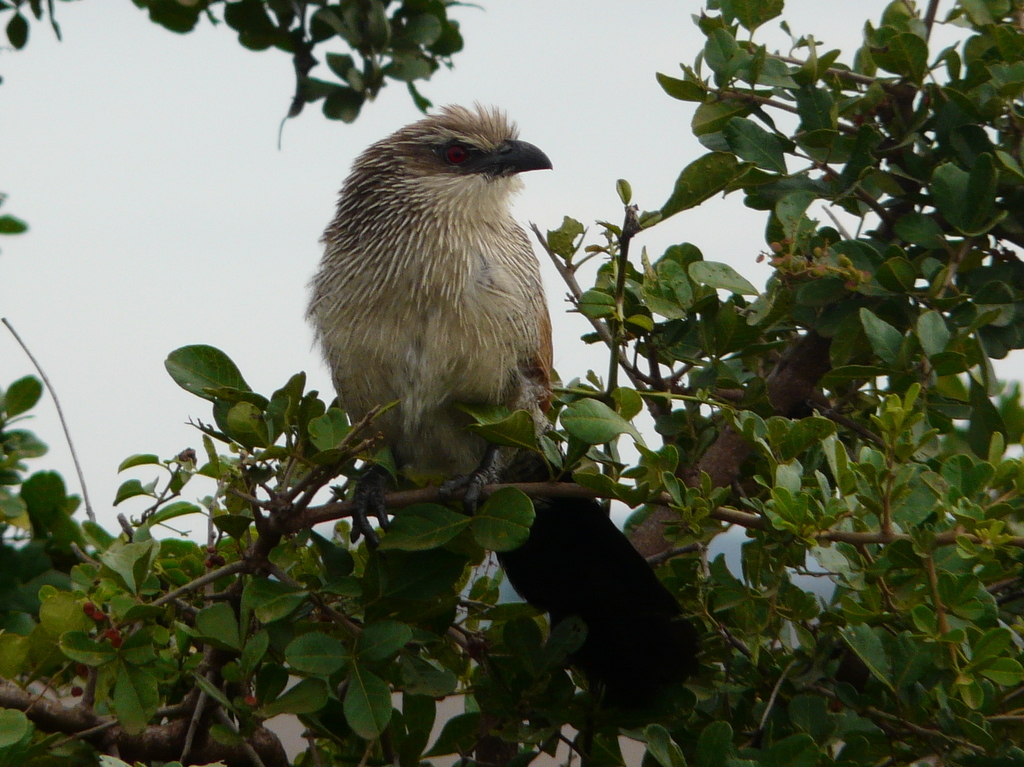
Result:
[{"x": 429, "y": 294}]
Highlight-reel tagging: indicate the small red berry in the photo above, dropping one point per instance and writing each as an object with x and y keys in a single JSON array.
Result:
[
  {"x": 76, "y": 691},
  {"x": 250, "y": 700},
  {"x": 82, "y": 670},
  {"x": 116, "y": 642}
]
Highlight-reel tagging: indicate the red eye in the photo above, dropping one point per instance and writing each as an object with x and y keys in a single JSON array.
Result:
[{"x": 456, "y": 154}]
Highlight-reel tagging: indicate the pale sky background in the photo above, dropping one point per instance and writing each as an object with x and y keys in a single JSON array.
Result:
[{"x": 162, "y": 212}]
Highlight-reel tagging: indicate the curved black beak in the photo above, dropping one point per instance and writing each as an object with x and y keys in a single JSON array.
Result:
[{"x": 515, "y": 157}]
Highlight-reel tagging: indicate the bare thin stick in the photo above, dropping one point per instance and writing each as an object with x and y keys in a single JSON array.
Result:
[
  {"x": 246, "y": 745},
  {"x": 60, "y": 414}
]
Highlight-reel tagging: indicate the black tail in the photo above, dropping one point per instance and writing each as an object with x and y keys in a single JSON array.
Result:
[{"x": 576, "y": 562}]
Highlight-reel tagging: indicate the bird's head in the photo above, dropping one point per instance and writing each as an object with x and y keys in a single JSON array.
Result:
[{"x": 465, "y": 160}]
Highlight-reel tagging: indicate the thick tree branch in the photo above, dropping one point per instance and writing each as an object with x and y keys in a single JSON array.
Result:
[
  {"x": 789, "y": 385},
  {"x": 342, "y": 509},
  {"x": 156, "y": 743}
]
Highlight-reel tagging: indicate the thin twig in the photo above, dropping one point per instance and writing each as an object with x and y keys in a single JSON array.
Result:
[
  {"x": 126, "y": 526},
  {"x": 842, "y": 74},
  {"x": 60, "y": 415},
  {"x": 84, "y": 734},
  {"x": 575, "y": 291},
  {"x": 929, "y": 18},
  {"x": 193, "y": 726},
  {"x": 214, "y": 575},
  {"x": 630, "y": 228},
  {"x": 679, "y": 551},
  {"x": 246, "y": 745},
  {"x": 771, "y": 699},
  {"x": 82, "y": 555},
  {"x": 896, "y": 721},
  {"x": 341, "y": 509}
]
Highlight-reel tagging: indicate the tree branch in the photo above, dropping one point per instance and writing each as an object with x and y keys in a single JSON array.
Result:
[{"x": 60, "y": 415}]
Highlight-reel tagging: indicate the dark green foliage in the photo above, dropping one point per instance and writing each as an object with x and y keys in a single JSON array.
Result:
[{"x": 847, "y": 417}]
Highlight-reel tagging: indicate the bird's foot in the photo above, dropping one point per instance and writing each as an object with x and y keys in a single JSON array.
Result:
[
  {"x": 369, "y": 499},
  {"x": 473, "y": 484}
]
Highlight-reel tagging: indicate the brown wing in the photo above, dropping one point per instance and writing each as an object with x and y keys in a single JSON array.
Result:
[{"x": 538, "y": 370}]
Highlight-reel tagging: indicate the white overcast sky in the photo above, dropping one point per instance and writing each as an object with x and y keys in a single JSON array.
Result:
[{"x": 162, "y": 212}]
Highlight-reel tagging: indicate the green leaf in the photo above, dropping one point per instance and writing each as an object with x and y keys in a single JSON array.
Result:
[
  {"x": 967, "y": 200},
  {"x": 343, "y": 104},
  {"x": 628, "y": 402},
  {"x": 795, "y": 751},
  {"x": 421, "y": 677},
  {"x": 131, "y": 561},
  {"x": 809, "y": 713},
  {"x": 712, "y": 117},
  {"x": 816, "y": 109},
  {"x": 245, "y": 424},
  {"x": 667, "y": 289},
  {"x": 139, "y": 459},
  {"x": 661, "y": 746},
  {"x": 885, "y": 340},
  {"x": 594, "y": 423},
  {"x": 991, "y": 644},
  {"x": 81, "y": 648},
  {"x": 172, "y": 511},
  {"x": 22, "y": 395},
  {"x": 919, "y": 229},
  {"x": 1006, "y": 672},
  {"x": 903, "y": 54},
  {"x": 459, "y": 736},
  {"x": 933, "y": 333},
  {"x": 596, "y": 304},
  {"x": 714, "y": 747},
  {"x": 270, "y": 600},
  {"x": 234, "y": 525},
  {"x": 718, "y": 275},
  {"x": 517, "y": 430},
  {"x": 218, "y": 625},
  {"x": 423, "y": 526},
  {"x": 868, "y": 646},
  {"x": 129, "y": 489},
  {"x": 135, "y": 698},
  {"x": 12, "y": 225},
  {"x": 316, "y": 653},
  {"x": 563, "y": 240},
  {"x": 197, "y": 368},
  {"x": 791, "y": 211},
  {"x": 624, "y": 190},
  {"x": 379, "y": 641},
  {"x": 753, "y": 143},
  {"x": 684, "y": 90},
  {"x": 253, "y": 652},
  {"x": 502, "y": 522},
  {"x": 752, "y": 13},
  {"x": 367, "y": 703},
  {"x": 62, "y": 611},
  {"x": 329, "y": 430},
  {"x": 17, "y": 31},
  {"x": 896, "y": 274},
  {"x": 307, "y": 696},
  {"x": 14, "y": 727},
  {"x": 14, "y": 652},
  {"x": 337, "y": 561},
  {"x": 700, "y": 180}
]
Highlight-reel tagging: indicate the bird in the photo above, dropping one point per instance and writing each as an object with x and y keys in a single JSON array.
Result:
[{"x": 429, "y": 295}]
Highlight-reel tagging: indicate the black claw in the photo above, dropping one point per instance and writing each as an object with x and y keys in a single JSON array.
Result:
[
  {"x": 369, "y": 499},
  {"x": 473, "y": 484},
  {"x": 474, "y": 487}
]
